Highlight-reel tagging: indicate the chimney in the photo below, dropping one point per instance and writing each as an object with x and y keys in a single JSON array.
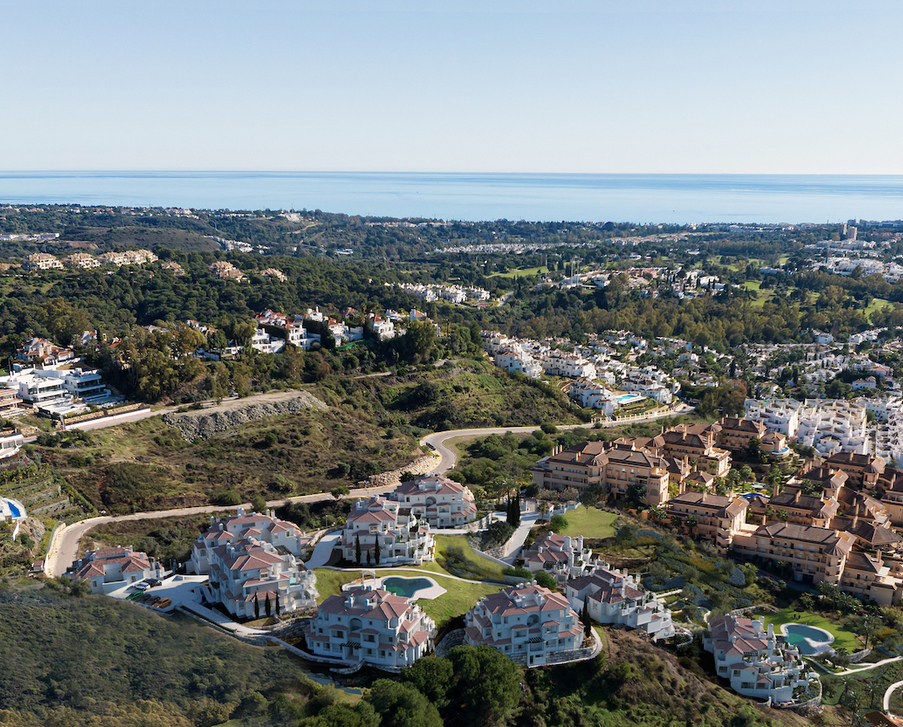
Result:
[{"x": 796, "y": 497}]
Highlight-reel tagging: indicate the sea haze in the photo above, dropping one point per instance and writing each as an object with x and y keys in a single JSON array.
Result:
[{"x": 646, "y": 198}]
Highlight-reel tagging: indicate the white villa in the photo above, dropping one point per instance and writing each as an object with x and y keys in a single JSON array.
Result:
[
  {"x": 112, "y": 568},
  {"x": 613, "y": 597},
  {"x": 757, "y": 663},
  {"x": 402, "y": 536},
  {"x": 370, "y": 625},
  {"x": 560, "y": 555},
  {"x": 527, "y": 623},
  {"x": 438, "y": 500}
]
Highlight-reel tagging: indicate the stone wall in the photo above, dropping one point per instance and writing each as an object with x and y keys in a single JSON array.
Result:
[{"x": 451, "y": 640}]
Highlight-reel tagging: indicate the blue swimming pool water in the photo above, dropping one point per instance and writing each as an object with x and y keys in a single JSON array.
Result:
[
  {"x": 406, "y": 587},
  {"x": 808, "y": 639},
  {"x": 15, "y": 511}
]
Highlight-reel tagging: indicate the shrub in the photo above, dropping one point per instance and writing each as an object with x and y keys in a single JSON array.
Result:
[{"x": 558, "y": 523}]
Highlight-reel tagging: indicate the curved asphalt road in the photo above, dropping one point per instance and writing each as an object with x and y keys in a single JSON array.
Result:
[{"x": 63, "y": 550}]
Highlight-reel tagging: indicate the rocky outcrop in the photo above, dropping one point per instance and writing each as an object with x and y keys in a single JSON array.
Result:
[
  {"x": 420, "y": 466},
  {"x": 204, "y": 423}
]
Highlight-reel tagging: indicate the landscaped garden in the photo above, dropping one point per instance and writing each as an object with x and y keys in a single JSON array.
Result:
[{"x": 843, "y": 637}]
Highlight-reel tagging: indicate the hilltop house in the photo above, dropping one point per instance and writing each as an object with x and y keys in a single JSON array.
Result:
[{"x": 370, "y": 625}]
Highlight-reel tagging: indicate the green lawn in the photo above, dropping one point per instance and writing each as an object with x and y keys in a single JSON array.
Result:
[
  {"x": 522, "y": 272},
  {"x": 459, "y": 597},
  {"x": 752, "y": 284},
  {"x": 876, "y": 305},
  {"x": 481, "y": 569},
  {"x": 589, "y": 522},
  {"x": 842, "y": 637}
]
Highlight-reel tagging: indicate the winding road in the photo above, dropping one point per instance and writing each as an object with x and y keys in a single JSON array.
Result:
[{"x": 64, "y": 546}]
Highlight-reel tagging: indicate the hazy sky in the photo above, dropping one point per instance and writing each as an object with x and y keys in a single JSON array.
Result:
[{"x": 788, "y": 86}]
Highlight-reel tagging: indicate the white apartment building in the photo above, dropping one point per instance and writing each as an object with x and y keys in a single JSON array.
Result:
[
  {"x": 83, "y": 261},
  {"x": 402, "y": 537},
  {"x": 370, "y": 625},
  {"x": 560, "y": 363},
  {"x": 527, "y": 623},
  {"x": 559, "y": 555},
  {"x": 42, "y": 261},
  {"x": 266, "y": 528},
  {"x": 613, "y": 597},
  {"x": 594, "y": 395},
  {"x": 757, "y": 663},
  {"x": 439, "y": 501},
  {"x": 246, "y": 572},
  {"x": 265, "y": 343}
]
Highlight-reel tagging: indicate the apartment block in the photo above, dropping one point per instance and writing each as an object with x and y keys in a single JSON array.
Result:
[
  {"x": 527, "y": 623},
  {"x": 370, "y": 625}
]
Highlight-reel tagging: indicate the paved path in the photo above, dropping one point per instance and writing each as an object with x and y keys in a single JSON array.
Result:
[
  {"x": 323, "y": 550},
  {"x": 885, "y": 705},
  {"x": 439, "y": 441},
  {"x": 867, "y": 667},
  {"x": 516, "y": 541},
  {"x": 63, "y": 550}
]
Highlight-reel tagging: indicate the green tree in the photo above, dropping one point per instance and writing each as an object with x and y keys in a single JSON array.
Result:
[
  {"x": 487, "y": 688},
  {"x": 376, "y": 549},
  {"x": 357, "y": 548},
  {"x": 432, "y": 676},
  {"x": 266, "y": 605},
  {"x": 401, "y": 705},
  {"x": 258, "y": 504},
  {"x": 587, "y": 621}
]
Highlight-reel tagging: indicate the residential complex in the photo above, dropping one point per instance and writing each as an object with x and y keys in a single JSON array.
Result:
[
  {"x": 438, "y": 500},
  {"x": 370, "y": 625},
  {"x": 559, "y": 555},
  {"x": 252, "y": 558},
  {"x": 757, "y": 662},
  {"x": 528, "y": 623},
  {"x": 384, "y": 531},
  {"x": 613, "y": 597}
]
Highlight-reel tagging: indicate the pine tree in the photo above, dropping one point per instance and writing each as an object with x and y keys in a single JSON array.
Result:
[
  {"x": 376, "y": 550},
  {"x": 357, "y": 547}
]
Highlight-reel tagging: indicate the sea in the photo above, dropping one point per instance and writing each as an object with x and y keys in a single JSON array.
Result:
[{"x": 636, "y": 198}]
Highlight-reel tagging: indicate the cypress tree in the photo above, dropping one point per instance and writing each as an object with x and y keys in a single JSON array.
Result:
[
  {"x": 256, "y": 606},
  {"x": 357, "y": 547},
  {"x": 587, "y": 621},
  {"x": 376, "y": 550},
  {"x": 266, "y": 606},
  {"x": 277, "y": 604}
]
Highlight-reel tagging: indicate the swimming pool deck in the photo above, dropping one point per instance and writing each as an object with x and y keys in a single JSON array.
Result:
[{"x": 434, "y": 590}]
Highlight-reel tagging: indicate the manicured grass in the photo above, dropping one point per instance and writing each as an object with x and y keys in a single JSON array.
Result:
[
  {"x": 481, "y": 570},
  {"x": 752, "y": 284},
  {"x": 842, "y": 638},
  {"x": 522, "y": 272},
  {"x": 589, "y": 522},
  {"x": 459, "y": 597},
  {"x": 876, "y": 305}
]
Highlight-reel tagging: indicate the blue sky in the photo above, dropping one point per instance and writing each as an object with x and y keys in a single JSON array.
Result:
[{"x": 632, "y": 86}]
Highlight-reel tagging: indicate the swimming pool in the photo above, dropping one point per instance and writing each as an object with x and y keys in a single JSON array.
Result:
[
  {"x": 412, "y": 587},
  {"x": 12, "y": 507},
  {"x": 810, "y": 640}
]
